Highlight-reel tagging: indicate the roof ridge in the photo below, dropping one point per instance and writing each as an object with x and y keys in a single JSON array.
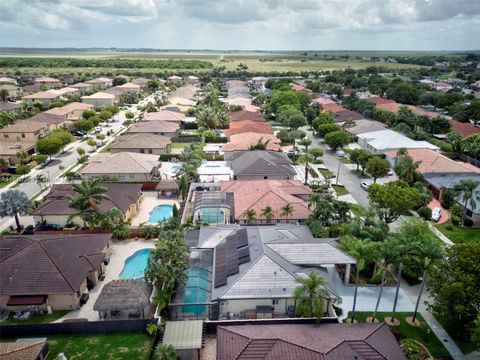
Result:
[
  {"x": 240, "y": 277},
  {"x": 21, "y": 249}
]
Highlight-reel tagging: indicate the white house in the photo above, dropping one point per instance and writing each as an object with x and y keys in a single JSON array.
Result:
[
  {"x": 211, "y": 171},
  {"x": 384, "y": 140},
  {"x": 99, "y": 99}
]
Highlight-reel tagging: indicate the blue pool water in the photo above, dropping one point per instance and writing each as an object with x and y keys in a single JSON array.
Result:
[
  {"x": 160, "y": 213},
  {"x": 135, "y": 265},
  {"x": 212, "y": 215},
  {"x": 196, "y": 289}
]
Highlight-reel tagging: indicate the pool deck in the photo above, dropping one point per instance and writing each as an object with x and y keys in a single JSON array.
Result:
[
  {"x": 121, "y": 250},
  {"x": 150, "y": 200}
]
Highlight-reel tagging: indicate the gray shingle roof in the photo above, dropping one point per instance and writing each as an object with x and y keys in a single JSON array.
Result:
[{"x": 260, "y": 162}]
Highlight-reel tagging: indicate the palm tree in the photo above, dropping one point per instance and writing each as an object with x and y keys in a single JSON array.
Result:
[
  {"x": 88, "y": 194},
  {"x": 360, "y": 250},
  {"x": 386, "y": 254},
  {"x": 4, "y": 94},
  {"x": 21, "y": 155},
  {"x": 268, "y": 213},
  {"x": 349, "y": 122},
  {"x": 164, "y": 352},
  {"x": 313, "y": 200},
  {"x": 309, "y": 296},
  {"x": 465, "y": 189},
  {"x": 110, "y": 218},
  {"x": 306, "y": 159},
  {"x": 250, "y": 216},
  {"x": 3, "y": 164},
  {"x": 260, "y": 145},
  {"x": 407, "y": 170},
  {"x": 287, "y": 210},
  {"x": 402, "y": 152},
  {"x": 13, "y": 202},
  {"x": 40, "y": 180}
]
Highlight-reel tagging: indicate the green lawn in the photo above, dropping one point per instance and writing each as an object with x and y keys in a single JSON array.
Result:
[
  {"x": 312, "y": 172},
  {"x": 464, "y": 346},
  {"x": 119, "y": 346},
  {"x": 459, "y": 234},
  {"x": 359, "y": 174},
  {"x": 36, "y": 319},
  {"x": 422, "y": 334},
  {"x": 176, "y": 145},
  {"x": 345, "y": 160},
  {"x": 357, "y": 210},
  {"x": 327, "y": 174},
  {"x": 340, "y": 190}
]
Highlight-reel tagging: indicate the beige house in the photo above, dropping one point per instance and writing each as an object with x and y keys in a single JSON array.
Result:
[
  {"x": 12, "y": 90},
  {"x": 68, "y": 91},
  {"x": 142, "y": 143},
  {"x": 100, "y": 83},
  {"x": 72, "y": 111},
  {"x": 158, "y": 127},
  {"x": 39, "y": 273},
  {"x": 7, "y": 80},
  {"x": 55, "y": 209},
  {"x": 45, "y": 97},
  {"x": 99, "y": 99},
  {"x": 6, "y": 106},
  {"x": 24, "y": 131},
  {"x": 83, "y": 87},
  {"x": 9, "y": 150},
  {"x": 53, "y": 121},
  {"x": 130, "y": 87},
  {"x": 48, "y": 82},
  {"x": 122, "y": 166}
]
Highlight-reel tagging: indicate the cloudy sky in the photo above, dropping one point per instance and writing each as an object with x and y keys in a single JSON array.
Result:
[{"x": 243, "y": 24}]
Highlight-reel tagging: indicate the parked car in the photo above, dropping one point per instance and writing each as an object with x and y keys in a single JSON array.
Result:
[
  {"x": 84, "y": 298},
  {"x": 3, "y": 314},
  {"x": 340, "y": 153},
  {"x": 22, "y": 315},
  {"x": 390, "y": 172},
  {"x": 78, "y": 133},
  {"x": 98, "y": 129},
  {"x": 364, "y": 185},
  {"x": 436, "y": 213}
]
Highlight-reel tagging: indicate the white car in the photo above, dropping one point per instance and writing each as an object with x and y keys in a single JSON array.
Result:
[
  {"x": 98, "y": 129},
  {"x": 436, "y": 213},
  {"x": 390, "y": 172},
  {"x": 364, "y": 185},
  {"x": 340, "y": 153}
]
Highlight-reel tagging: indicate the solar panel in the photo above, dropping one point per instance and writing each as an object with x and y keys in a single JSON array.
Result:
[
  {"x": 242, "y": 238},
  {"x": 232, "y": 257},
  {"x": 244, "y": 259},
  {"x": 243, "y": 252},
  {"x": 220, "y": 265}
]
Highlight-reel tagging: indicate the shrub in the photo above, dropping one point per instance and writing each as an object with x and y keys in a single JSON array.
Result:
[
  {"x": 129, "y": 115},
  {"x": 425, "y": 212},
  {"x": 455, "y": 219},
  {"x": 456, "y": 209},
  {"x": 447, "y": 199},
  {"x": 468, "y": 222},
  {"x": 40, "y": 158},
  {"x": 87, "y": 114},
  {"x": 148, "y": 231},
  {"x": 127, "y": 122}
]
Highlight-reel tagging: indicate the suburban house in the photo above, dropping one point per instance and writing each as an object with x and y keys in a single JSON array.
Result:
[
  {"x": 173, "y": 79},
  {"x": 130, "y": 87},
  {"x": 364, "y": 126},
  {"x": 41, "y": 272},
  {"x": 142, "y": 143},
  {"x": 243, "y": 141},
  {"x": 48, "y": 82},
  {"x": 164, "y": 115},
  {"x": 308, "y": 341},
  {"x": 100, "y": 83},
  {"x": 140, "y": 81},
  {"x": 122, "y": 166},
  {"x": 7, "y": 80},
  {"x": 45, "y": 97},
  {"x": 117, "y": 92},
  {"x": 82, "y": 87},
  {"x": 464, "y": 129},
  {"x": 99, "y": 99},
  {"x": 246, "y": 115},
  {"x": 12, "y": 90},
  {"x": 300, "y": 88},
  {"x": 259, "y": 164},
  {"x": 166, "y": 128},
  {"x": 55, "y": 209},
  {"x": 9, "y": 150},
  {"x": 323, "y": 100},
  {"x": 385, "y": 140},
  {"x": 6, "y": 106},
  {"x": 53, "y": 121},
  {"x": 255, "y": 268},
  {"x": 211, "y": 171},
  {"x": 246, "y": 126},
  {"x": 24, "y": 131},
  {"x": 67, "y": 91},
  {"x": 71, "y": 112},
  {"x": 258, "y": 194}
]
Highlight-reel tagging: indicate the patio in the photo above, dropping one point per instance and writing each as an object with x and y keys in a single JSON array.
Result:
[{"x": 150, "y": 201}]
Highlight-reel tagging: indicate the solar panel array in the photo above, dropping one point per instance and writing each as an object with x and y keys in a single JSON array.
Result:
[{"x": 231, "y": 253}]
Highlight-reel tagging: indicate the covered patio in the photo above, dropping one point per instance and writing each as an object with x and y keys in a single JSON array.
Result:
[
  {"x": 123, "y": 298},
  {"x": 185, "y": 337},
  {"x": 167, "y": 189}
]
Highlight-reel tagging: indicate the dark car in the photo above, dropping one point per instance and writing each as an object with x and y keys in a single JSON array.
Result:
[
  {"x": 84, "y": 298},
  {"x": 79, "y": 133}
]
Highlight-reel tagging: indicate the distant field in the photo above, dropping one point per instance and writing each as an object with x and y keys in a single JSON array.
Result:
[{"x": 256, "y": 61}]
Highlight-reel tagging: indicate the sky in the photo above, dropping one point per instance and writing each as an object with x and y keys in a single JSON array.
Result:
[{"x": 243, "y": 24}]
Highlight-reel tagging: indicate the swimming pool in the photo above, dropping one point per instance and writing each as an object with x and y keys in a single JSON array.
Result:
[
  {"x": 135, "y": 265},
  {"x": 160, "y": 213},
  {"x": 195, "y": 291},
  {"x": 212, "y": 215}
]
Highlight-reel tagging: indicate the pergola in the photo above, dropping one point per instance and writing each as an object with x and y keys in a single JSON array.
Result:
[
  {"x": 184, "y": 335},
  {"x": 167, "y": 186},
  {"x": 123, "y": 295}
]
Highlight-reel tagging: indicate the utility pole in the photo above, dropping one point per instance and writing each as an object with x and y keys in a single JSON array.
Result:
[{"x": 338, "y": 173}]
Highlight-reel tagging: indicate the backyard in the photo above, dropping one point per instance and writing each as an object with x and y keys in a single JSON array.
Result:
[
  {"x": 422, "y": 334},
  {"x": 458, "y": 234},
  {"x": 36, "y": 319}
]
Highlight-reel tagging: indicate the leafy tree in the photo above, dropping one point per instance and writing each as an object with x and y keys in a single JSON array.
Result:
[
  {"x": 447, "y": 198},
  {"x": 456, "y": 140},
  {"x": 105, "y": 115},
  {"x": 286, "y": 211},
  {"x": 316, "y": 153},
  {"x": 284, "y": 97},
  {"x": 83, "y": 125},
  {"x": 325, "y": 129},
  {"x": 22, "y": 169},
  {"x": 153, "y": 85},
  {"x": 121, "y": 230},
  {"x": 129, "y": 115},
  {"x": 268, "y": 213},
  {"x": 80, "y": 151},
  {"x": 309, "y": 296},
  {"x": 12, "y": 203},
  {"x": 87, "y": 114},
  {"x": 377, "y": 167},
  {"x": 64, "y": 136},
  {"x": 119, "y": 80},
  {"x": 454, "y": 288},
  {"x": 4, "y": 95},
  {"x": 393, "y": 199},
  {"x": 407, "y": 170},
  {"x": 49, "y": 145},
  {"x": 337, "y": 139},
  {"x": 306, "y": 143},
  {"x": 466, "y": 190},
  {"x": 355, "y": 156},
  {"x": 250, "y": 216}
]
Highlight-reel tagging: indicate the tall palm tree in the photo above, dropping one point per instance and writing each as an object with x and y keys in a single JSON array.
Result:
[
  {"x": 313, "y": 200},
  {"x": 306, "y": 159},
  {"x": 250, "y": 216},
  {"x": 360, "y": 250},
  {"x": 260, "y": 145},
  {"x": 402, "y": 152},
  {"x": 386, "y": 253},
  {"x": 12, "y": 203},
  {"x": 309, "y": 296},
  {"x": 407, "y": 170},
  {"x": 466, "y": 191},
  {"x": 286, "y": 211},
  {"x": 268, "y": 213},
  {"x": 88, "y": 194}
]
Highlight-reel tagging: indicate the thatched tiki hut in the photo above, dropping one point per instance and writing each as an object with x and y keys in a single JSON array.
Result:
[
  {"x": 167, "y": 188},
  {"x": 126, "y": 295}
]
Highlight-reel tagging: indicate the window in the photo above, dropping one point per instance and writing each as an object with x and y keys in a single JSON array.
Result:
[
  {"x": 150, "y": 151},
  {"x": 121, "y": 177},
  {"x": 142, "y": 151},
  {"x": 265, "y": 177},
  {"x": 132, "y": 176},
  {"x": 23, "y": 135},
  {"x": 275, "y": 302},
  {"x": 5, "y": 136}
]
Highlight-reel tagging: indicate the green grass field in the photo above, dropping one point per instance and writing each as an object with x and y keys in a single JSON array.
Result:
[
  {"x": 459, "y": 234},
  {"x": 466, "y": 347},
  {"x": 36, "y": 319},
  {"x": 422, "y": 334},
  {"x": 340, "y": 190}
]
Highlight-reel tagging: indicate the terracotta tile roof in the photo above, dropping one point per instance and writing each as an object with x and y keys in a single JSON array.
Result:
[
  {"x": 464, "y": 129},
  {"x": 121, "y": 163},
  {"x": 300, "y": 88},
  {"x": 121, "y": 196},
  {"x": 48, "y": 264},
  {"x": 47, "y": 118},
  {"x": 12, "y": 148},
  {"x": 379, "y": 100},
  {"x": 433, "y": 162},
  {"x": 342, "y": 116},
  {"x": 130, "y": 86},
  {"x": 67, "y": 109},
  {"x": 333, "y": 107},
  {"x": 323, "y": 100},
  {"x": 246, "y": 115},
  {"x": 100, "y": 80},
  {"x": 164, "y": 115},
  {"x": 308, "y": 341},
  {"x": 394, "y": 107},
  {"x": 154, "y": 126},
  {"x": 21, "y": 350},
  {"x": 250, "y": 107},
  {"x": 257, "y": 194},
  {"x": 243, "y": 141},
  {"x": 23, "y": 126},
  {"x": 42, "y": 95},
  {"x": 99, "y": 95},
  {"x": 141, "y": 141},
  {"x": 245, "y": 126}
]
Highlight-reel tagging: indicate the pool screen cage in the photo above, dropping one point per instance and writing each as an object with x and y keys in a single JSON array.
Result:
[
  {"x": 213, "y": 207},
  {"x": 193, "y": 298}
]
